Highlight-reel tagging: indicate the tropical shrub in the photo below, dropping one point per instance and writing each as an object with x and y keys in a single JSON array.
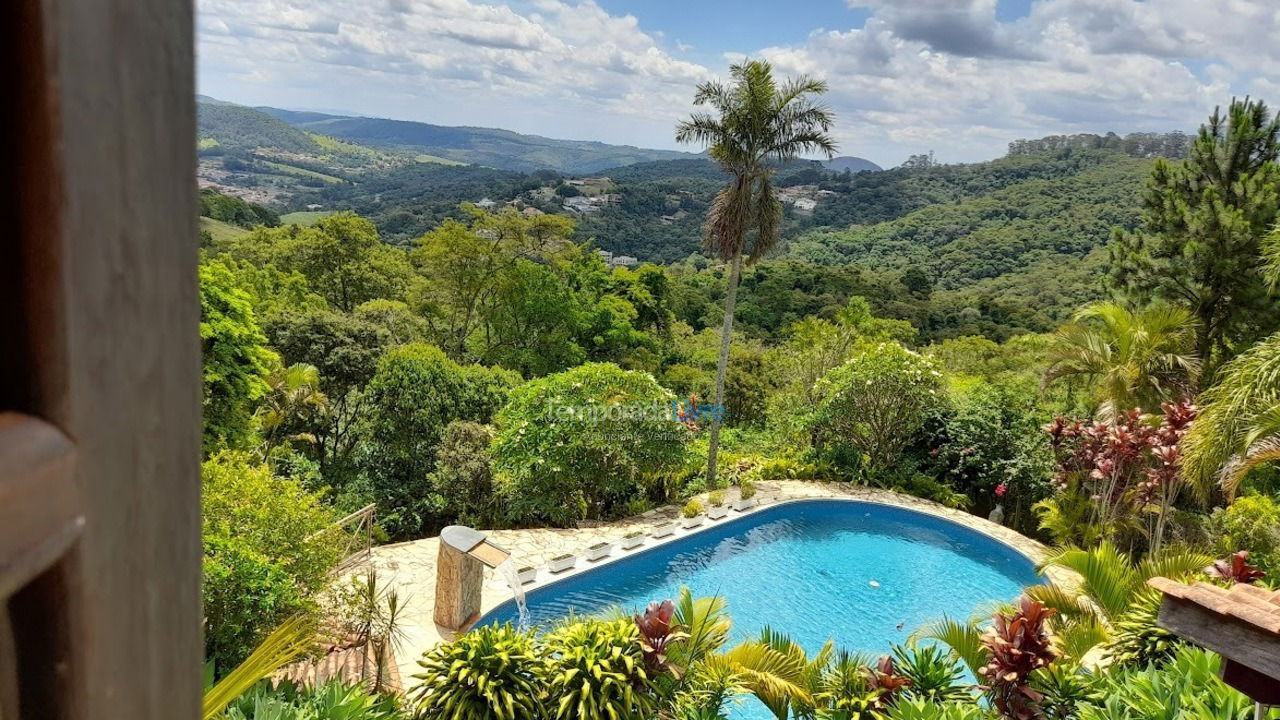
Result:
[
  {"x": 1187, "y": 686},
  {"x": 658, "y": 632},
  {"x": 462, "y": 483},
  {"x": 416, "y": 392},
  {"x": 267, "y": 552},
  {"x": 1111, "y": 587},
  {"x": 990, "y": 447},
  {"x": 874, "y": 404},
  {"x": 844, "y": 689},
  {"x": 490, "y": 673},
  {"x": 691, "y": 509},
  {"x": 581, "y": 443},
  {"x": 921, "y": 709},
  {"x": 1251, "y": 523},
  {"x": 1131, "y": 467},
  {"x": 716, "y": 498},
  {"x": 1065, "y": 686},
  {"x": 1236, "y": 569},
  {"x": 1137, "y": 640},
  {"x": 597, "y": 672},
  {"x": 746, "y": 490},
  {"x": 330, "y": 701}
]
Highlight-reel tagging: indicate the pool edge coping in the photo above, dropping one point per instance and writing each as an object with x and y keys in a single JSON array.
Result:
[{"x": 546, "y": 578}]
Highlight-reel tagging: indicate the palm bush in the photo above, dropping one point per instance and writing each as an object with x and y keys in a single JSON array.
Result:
[
  {"x": 597, "y": 671},
  {"x": 1239, "y": 424},
  {"x": 1137, "y": 639},
  {"x": 1131, "y": 358},
  {"x": 1111, "y": 584},
  {"x": 490, "y": 673}
]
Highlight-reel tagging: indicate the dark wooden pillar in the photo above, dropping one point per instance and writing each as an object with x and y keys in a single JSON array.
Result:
[{"x": 99, "y": 363}]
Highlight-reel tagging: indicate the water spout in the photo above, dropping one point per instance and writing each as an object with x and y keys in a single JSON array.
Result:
[{"x": 512, "y": 575}]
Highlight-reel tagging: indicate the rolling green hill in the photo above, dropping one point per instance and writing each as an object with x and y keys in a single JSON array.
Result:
[
  {"x": 235, "y": 126},
  {"x": 995, "y": 218},
  {"x": 502, "y": 149}
]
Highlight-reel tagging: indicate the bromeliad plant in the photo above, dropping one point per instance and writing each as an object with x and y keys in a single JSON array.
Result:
[
  {"x": 490, "y": 673},
  {"x": 597, "y": 672}
]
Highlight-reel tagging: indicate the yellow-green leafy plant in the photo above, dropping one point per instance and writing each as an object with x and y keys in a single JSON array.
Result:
[
  {"x": 490, "y": 673},
  {"x": 691, "y": 509},
  {"x": 287, "y": 642},
  {"x": 597, "y": 672},
  {"x": 716, "y": 498},
  {"x": 747, "y": 490}
]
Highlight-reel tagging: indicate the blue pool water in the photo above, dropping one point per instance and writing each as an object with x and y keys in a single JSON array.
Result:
[{"x": 808, "y": 568}]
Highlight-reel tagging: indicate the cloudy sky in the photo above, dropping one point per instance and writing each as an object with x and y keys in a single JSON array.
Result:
[{"x": 960, "y": 77}]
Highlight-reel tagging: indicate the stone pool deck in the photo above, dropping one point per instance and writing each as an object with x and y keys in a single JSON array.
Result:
[{"x": 411, "y": 566}]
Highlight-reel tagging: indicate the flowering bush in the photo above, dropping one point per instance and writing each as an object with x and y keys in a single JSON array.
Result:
[
  {"x": 989, "y": 447},
  {"x": 875, "y": 403},
  {"x": 1126, "y": 466},
  {"x": 584, "y": 442}
]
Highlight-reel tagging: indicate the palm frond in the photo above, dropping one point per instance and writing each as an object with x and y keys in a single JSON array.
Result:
[
  {"x": 964, "y": 639},
  {"x": 1235, "y": 413},
  {"x": 773, "y": 676},
  {"x": 287, "y": 642},
  {"x": 1107, "y": 578}
]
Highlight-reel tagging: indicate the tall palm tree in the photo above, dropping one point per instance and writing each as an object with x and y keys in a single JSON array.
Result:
[
  {"x": 757, "y": 124},
  {"x": 1132, "y": 358},
  {"x": 1238, "y": 427}
]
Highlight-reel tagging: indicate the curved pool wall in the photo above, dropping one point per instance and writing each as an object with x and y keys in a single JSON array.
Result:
[{"x": 862, "y": 573}]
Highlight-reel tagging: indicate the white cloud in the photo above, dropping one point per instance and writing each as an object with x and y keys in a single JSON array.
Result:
[
  {"x": 940, "y": 74},
  {"x": 554, "y": 70}
]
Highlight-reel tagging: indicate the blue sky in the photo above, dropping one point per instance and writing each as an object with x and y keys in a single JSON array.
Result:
[{"x": 960, "y": 77}]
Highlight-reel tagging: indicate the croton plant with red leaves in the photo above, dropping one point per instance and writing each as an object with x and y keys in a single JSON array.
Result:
[
  {"x": 1236, "y": 568},
  {"x": 1019, "y": 644},
  {"x": 884, "y": 679},
  {"x": 658, "y": 631},
  {"x": 1125, "y": 464}
]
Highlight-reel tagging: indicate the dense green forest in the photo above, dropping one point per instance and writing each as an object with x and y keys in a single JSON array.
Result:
[{"x": 1078, "y": 340}]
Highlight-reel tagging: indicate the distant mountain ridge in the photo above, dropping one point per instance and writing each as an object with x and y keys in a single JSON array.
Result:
[
  {"x": 851, "y": 163},
  {"x": 492, "y": 147}
]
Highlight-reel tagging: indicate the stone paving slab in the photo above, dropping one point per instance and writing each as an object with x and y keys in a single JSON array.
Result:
[{"x": 411, "y": 566}]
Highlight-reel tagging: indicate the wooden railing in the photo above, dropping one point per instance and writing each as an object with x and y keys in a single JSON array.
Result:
[{"x": 355, "y": 531}]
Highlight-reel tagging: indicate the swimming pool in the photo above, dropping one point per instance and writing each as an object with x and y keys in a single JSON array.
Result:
[{"x": 862, "y": 573}]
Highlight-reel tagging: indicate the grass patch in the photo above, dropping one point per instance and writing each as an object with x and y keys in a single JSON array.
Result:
[
  {"x": 424, "y": 158},
  {"x": 302, "y": 172},
  {"x": 221, "y": 231},
  {"x": 305, "y": 218}
]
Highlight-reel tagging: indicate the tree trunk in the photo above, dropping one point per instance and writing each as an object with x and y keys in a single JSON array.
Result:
[{"x": 726, "y": 336}]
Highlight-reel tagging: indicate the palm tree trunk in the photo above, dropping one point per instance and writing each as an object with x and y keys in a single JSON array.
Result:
[{"x": 726, "y": 335}]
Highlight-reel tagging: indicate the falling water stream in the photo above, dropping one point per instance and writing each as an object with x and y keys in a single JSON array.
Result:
[{"x": 512, "y": 576}]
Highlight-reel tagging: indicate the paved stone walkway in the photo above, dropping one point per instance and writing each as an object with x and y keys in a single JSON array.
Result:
[{"x": 411, "y": 566}]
